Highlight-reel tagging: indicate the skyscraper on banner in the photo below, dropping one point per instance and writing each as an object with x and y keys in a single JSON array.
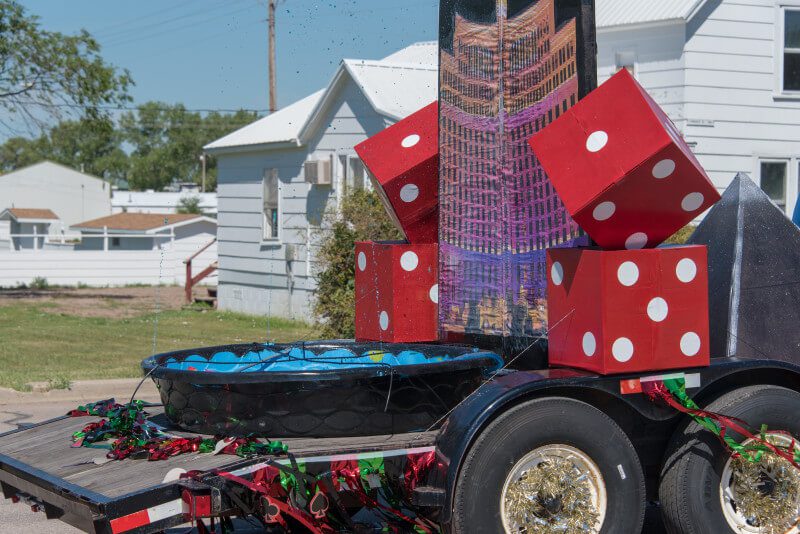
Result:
[{"x": 507, "y": 69}]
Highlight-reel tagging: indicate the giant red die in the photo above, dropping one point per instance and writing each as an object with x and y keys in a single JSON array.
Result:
[
  {"x": 622, "y": 169},
  {"x": 403, "y": 161},
  {"x": 628, "y": 310},
  {"x": 397, "y": 292}
]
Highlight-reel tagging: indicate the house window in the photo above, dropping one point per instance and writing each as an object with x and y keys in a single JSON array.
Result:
[
  {"x": 355, "y": 174},
  {"x": 791, "y": 50},
  {"x": 352, "y": 173},
  {"x": 114, "y": 241},
  {"x": 271, "y": 201},
  {"x": 773, "y": 181}
]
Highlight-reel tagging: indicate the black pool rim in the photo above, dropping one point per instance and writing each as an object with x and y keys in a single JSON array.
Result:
[{"x": 152, "y": 366}]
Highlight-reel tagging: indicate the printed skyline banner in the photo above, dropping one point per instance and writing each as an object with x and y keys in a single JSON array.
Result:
[{"x": 507, "y": 68}]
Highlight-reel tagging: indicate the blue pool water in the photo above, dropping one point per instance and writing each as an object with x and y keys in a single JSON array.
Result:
[{"x": 296, "y": 358}]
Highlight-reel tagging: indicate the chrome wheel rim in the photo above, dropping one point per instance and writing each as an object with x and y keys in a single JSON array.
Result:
[
  {"x": 554, "y": 489},
  {"x": 763, "y": 497}
]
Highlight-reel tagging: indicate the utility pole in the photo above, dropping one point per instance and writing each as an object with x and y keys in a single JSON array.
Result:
[
  {"x": 273, "y": 107},
  {"x": 203, "y": 163}
]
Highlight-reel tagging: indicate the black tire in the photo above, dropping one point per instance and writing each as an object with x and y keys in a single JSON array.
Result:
[
  {"x": 695, "y": 461},
  {"x": 541, "y": 422}
]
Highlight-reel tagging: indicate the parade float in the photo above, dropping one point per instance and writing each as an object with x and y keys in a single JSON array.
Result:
[{"x": 531, "y": 358}]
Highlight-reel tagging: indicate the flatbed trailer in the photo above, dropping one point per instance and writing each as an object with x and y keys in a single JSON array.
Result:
[{"x": 38, "y": 465}]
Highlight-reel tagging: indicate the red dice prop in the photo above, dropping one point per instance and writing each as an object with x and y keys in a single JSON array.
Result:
[
  {"x": 622, "y": 169},
  {"x": 403, "y": 161},
  {"x": 628, "y": 310},
  {"x": 397, "y": 292}
]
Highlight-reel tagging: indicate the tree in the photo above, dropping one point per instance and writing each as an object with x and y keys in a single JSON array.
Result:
[
  {"x": 91, "y": 145},
  {"x": 167, "y": 141},
  {"x": 362, "y": 218},
  {"x": 46, "y": 74},
  {"x": 189, "y": 204},
  {"x": 20, "y": 152}
]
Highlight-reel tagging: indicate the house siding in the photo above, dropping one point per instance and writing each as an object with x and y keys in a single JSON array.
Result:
[
  {"x": 74, "y": 197},
  {"x": 716, "y": 78},
  {"x": 730, "y": 87},
  {"x": 254, "y": 276}
]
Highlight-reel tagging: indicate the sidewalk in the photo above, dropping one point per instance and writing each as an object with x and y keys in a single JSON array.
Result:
[{"x": 18, "y": 407}]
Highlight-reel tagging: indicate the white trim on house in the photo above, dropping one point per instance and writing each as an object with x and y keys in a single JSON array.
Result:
[{"x": 781, "y": 6}]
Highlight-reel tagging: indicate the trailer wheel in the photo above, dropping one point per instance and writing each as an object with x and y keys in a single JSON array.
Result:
[
  {"x": 551, "y": 465},
  {"x": 704, "y": 490}
]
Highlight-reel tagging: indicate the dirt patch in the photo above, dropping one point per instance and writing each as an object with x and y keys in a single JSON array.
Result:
[{"x": 111, "y": 302}]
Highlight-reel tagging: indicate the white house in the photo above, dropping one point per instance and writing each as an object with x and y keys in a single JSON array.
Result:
[
  {"x": 278, "y": 175},
  {"x": 28, "y": 227},
  {"x": 145, "y": 231},
  {"x": 73, "y": 196},
  {"x": 728, "y": 74},
  {"x": 160, "y": 201}
]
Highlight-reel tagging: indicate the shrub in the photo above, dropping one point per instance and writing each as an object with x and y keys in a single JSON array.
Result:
[
  {"x": 40, "y": 282},
  {"x": 681, "y": 236},
  {"x": 190, "y": 204},
  {"x": 361, "y": 218}
]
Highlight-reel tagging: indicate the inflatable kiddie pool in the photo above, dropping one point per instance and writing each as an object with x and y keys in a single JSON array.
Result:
[{"x": 317, "y": 389}]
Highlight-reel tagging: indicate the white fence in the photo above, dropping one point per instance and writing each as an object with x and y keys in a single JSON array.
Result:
[{"x": 98, "y": 268}]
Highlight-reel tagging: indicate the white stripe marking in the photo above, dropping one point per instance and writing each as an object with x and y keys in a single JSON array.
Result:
[{"x": 165, "y": 511}]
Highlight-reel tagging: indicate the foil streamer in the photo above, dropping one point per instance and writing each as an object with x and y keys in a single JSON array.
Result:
[
  {"x": 673, "y": 392},
  {"x": 135, "y": 437}
]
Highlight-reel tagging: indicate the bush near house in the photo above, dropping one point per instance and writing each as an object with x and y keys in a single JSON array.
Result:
[
  {"x": 681, "y": 236},
  {"x": 361, "y": 217}
]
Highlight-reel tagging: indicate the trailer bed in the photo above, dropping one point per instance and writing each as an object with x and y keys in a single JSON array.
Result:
[{"x": 39, "y": 462}]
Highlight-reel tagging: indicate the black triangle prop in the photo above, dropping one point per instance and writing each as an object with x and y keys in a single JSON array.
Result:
[{"x": 754, "y": 275}]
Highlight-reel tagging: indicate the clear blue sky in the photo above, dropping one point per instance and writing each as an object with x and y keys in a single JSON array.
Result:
[{"x": 212, "y": 54}]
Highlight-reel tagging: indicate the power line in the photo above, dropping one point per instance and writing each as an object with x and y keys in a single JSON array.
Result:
[
  {"x": 127, "y": 32},
  {"x": 134, "y": 108},
  {"x": 127, "y": 23},
  {"x": 194, "y": 24},
  {"x": 206, "y": 38}
]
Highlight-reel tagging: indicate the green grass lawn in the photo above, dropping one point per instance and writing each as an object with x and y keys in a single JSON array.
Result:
[{"x": 38, "y": 345}]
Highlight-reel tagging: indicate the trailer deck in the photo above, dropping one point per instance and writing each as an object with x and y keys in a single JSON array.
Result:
[{"x": 39, "y": 463}]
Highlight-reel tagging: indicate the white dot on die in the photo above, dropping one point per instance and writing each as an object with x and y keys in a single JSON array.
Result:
[
  {"x": 557, "y": 273},
  {"x": 690, "y": 344},
  {"x": 686, "y": 270},
  {"x": 636, "y": 241},
  {"x": 409, "y": 193},
  {"x": 692, "y": 201},
  {"x": 434, "y": 293},
  {"x": 589, "y": 344},
  {"x": 596, "y": 141},
  {"x": 410, "y": 141},
  {"x": 628, "y": 273},
  {"x": 657, "y": 309},
  {"x": 622, "y": 349},
  {"x": 663, "y": 168},
  {"x": 362, "y": 261},
  {"x": 383, "y": 320},
  {"x": 604, "y": 211},
  {"x": 409, "y": 261}
]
